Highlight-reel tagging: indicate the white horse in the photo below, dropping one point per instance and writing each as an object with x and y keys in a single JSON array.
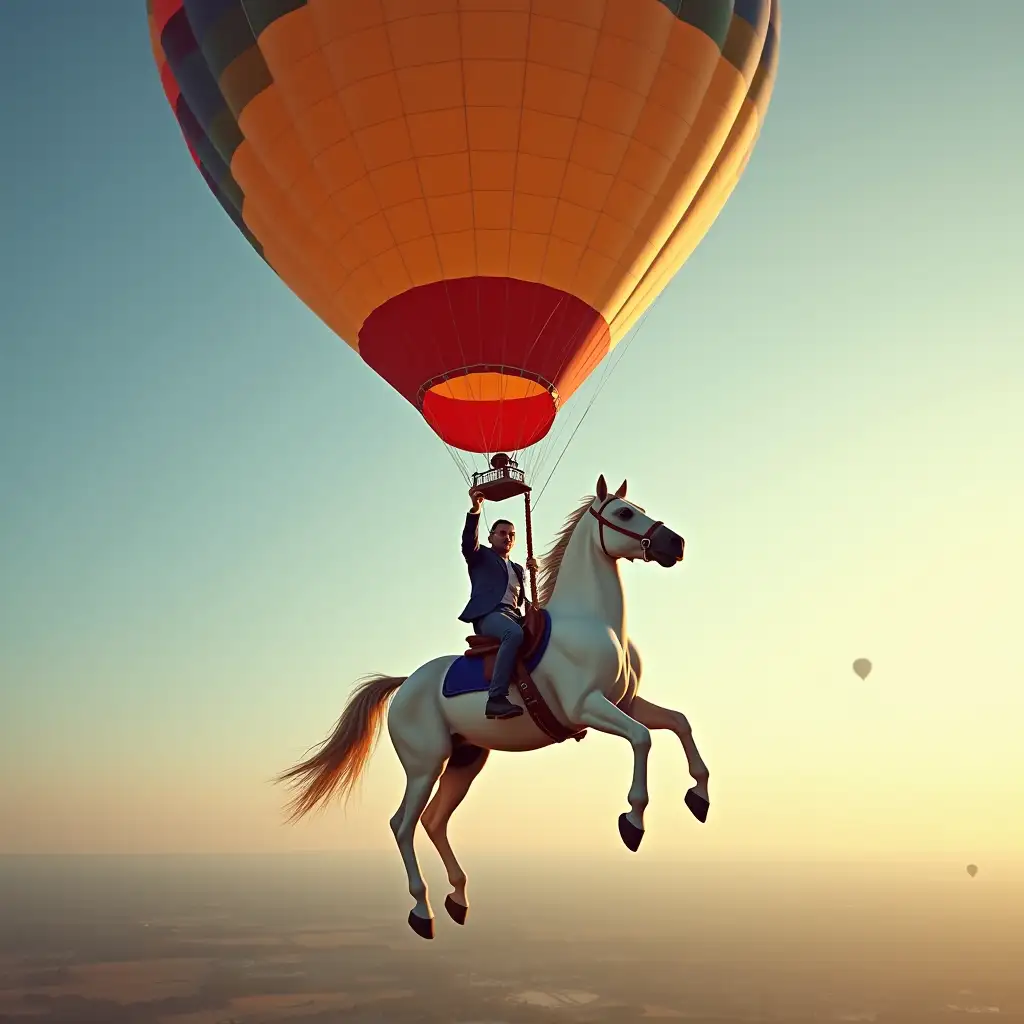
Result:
[{"x": 587, "y": 675}]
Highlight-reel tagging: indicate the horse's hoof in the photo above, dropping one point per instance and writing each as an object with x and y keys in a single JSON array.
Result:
[
  {"x": 422, "y": 926},
  {"x": 699, "y": 807},
  {"x": 631, "y": 835},
  {"x": 456, "y": 911}
]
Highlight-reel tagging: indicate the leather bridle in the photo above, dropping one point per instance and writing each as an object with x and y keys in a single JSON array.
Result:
[{"x": 644, "y": 538}]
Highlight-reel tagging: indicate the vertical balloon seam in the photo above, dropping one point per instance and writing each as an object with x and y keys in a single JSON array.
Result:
[{"x": 720, "y": 181}]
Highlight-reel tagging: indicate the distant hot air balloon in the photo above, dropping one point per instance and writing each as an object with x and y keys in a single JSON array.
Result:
[
  {"x": 862, "y": 667},
  {"x": 480, "y": 199},
  {"x": 972, "y": 869}
]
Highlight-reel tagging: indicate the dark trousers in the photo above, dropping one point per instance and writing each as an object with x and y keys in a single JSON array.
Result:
[{"x": 502, "y": 624}]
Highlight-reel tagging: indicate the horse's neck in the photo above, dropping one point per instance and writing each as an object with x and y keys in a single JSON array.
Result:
[{"x": 589, "y": 582}]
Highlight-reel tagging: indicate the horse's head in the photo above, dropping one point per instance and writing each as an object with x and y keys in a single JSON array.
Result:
[{"x": 626, "y": 531}]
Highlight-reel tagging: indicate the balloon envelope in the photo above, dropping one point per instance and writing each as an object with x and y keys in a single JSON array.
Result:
[
  {"x": 481, "y": 199},
  {"x": 862, "y": 667},
  {"x": 972, "y": 869}
]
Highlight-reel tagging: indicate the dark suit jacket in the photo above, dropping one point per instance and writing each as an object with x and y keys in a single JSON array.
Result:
[{"x": 488, "y": 577}]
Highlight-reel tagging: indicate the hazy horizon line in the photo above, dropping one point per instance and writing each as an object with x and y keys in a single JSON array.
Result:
[{"x": 915, "y": 857}]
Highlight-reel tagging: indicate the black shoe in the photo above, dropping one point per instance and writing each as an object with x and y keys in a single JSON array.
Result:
[{"x": 502, "y": 707}]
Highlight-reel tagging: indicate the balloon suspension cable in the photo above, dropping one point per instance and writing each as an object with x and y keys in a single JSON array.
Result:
[
  {"x": 460, "y": 462},
  {"x": 541, "y": 454},
  {"x": 609, "y": 370}
]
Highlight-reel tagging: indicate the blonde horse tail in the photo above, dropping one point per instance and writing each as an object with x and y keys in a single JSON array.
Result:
[{"x": 338, "y": 762}]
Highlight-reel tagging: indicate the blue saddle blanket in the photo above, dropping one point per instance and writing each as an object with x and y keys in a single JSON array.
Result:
[{"x": 466, "y": 675}]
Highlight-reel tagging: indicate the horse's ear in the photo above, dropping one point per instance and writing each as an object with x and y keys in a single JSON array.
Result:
[
  {"x": 621, "y": 492},
  {"x": 602, "y": 488}
]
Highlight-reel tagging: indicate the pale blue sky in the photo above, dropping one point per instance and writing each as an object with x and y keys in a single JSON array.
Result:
[{"x": 213, "y": 517}]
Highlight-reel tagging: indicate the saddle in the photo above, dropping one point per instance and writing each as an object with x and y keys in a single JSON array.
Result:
[{"x": 534, "y": 635}]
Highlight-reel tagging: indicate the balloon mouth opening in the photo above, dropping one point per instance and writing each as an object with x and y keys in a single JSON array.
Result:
[
  {"x": 488, "y": 384},
  {"x": 488, "y": 409}
]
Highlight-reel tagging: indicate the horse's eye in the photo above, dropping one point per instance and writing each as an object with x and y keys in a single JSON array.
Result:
[{"x": 625, "y": 513}]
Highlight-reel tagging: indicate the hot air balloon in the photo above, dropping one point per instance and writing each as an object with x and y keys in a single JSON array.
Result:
[
  {"x": 972, "y": 869},
  {"x": 480, "y": 199},
  {"x": 862, "y": 667}
]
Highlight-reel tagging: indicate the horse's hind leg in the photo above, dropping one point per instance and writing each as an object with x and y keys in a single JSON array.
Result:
[
  {"x": 656, "y": 717},
  {"x": 420, "y": 779},
  {"x": 463, "y": 767},
  {"x": 422, "y": 742}
]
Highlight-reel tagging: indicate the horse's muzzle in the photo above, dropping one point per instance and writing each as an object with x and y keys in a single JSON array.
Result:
[{"x": 666, "y": 547}]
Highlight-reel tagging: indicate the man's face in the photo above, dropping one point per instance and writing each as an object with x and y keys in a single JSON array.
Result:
[{"x": 503, "y": 536}]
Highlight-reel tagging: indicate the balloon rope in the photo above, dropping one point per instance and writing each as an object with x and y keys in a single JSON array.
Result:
[
  {"x": 460, "y": 465},
  {"x": 529, "y": 548},
  {"x": 604, "y": 380}
]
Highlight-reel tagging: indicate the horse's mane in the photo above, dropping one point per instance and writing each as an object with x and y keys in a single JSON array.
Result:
[{"x": 552, "y": 561}]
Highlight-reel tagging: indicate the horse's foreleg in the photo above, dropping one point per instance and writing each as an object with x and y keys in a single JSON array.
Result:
[
  {"x": 463, "y": 767},
  {"x": 598, "y": 712},
  {"x": 655, "y": 717}
]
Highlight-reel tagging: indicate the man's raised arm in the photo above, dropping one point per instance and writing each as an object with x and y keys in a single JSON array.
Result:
[{"x": 471, "y": 531}]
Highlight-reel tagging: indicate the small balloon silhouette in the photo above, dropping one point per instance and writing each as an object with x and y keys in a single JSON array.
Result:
[
  {"x": 862, "y": 667},
  {"x": 972, "y": 869}
]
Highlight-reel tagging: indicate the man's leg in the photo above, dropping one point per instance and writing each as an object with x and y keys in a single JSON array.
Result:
[{"x": 504, "y": 628}]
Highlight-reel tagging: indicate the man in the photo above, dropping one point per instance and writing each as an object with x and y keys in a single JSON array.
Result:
[{"x": 497, "y": 589}]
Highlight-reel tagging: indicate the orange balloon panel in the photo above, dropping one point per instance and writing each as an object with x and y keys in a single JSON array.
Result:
[{"x": 479, "y": 196}]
